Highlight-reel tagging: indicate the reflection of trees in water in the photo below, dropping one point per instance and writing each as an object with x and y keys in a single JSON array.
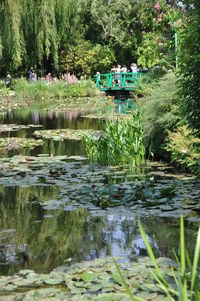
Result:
[
  {"x": 76, "y": 233},
  {"x": 51, "y": 119},
  {"x": 165, "y": 233},
  {"x": 71, "y": 115}
]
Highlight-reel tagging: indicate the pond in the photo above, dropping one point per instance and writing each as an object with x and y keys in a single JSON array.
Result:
[{"x": 57, "y": 209}]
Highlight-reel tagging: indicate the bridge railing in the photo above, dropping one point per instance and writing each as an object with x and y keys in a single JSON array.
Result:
[{"x": 116, "y": 80}]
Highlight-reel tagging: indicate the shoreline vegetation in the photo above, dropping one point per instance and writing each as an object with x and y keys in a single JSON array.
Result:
[
  {"x": 166, "y": 135},
  {"x": 59, "y": 96}
]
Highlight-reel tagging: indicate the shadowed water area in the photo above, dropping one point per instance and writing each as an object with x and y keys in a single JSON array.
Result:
[{"x": 56, "y": 208}]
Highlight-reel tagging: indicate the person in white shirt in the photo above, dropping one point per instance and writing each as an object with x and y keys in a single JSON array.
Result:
[
  {"x": 124, "y": 69},
  {"x": 118, "y": 74},
  {"x": 134, "y": 68}
]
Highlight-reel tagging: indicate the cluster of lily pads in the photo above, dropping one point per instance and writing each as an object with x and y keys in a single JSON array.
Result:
[
  {"x": 19, "y": 143},
  {"x": 97, "y": 280},
  {"x": 82, "y": 104},
  {"x": 148, "y": 193},
  {"x": 8, "y": 101},
  {"x": 63, "y": 134},
  {"x": 16, "y": 127}
]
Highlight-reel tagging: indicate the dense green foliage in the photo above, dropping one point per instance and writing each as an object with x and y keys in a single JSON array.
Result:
[
  {"x": 41, "y": 91},
  {"x": 84, "y": 36},
  {"x": 184, "y": 147},
  {"x": 160, "y": 113},
  {"x": 190, "y": 66},
  {"x": 121, "y": 143}
]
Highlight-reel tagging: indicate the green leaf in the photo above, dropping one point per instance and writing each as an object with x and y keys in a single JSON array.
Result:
[{"x": 87, "y": 276}]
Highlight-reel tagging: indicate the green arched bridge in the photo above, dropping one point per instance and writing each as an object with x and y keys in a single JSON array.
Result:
[{"x": 117, "y": 81}]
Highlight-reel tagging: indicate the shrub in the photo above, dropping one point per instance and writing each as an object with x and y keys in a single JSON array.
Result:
[
  {"x": 160, "y": 113},
  {"x": 184, "y": 147},
  {"x": 86, "y": 58},
  {"x": 189, "y": 63}
]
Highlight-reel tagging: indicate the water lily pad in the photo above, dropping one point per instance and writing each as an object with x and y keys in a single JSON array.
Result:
[
  {"x": 9, "y": 287},
  {"x": 52, "y": 280},
  {"x": 88, "y": 276},
  {"x": 18, "y": 143},
  {"x": 53, "y": 294},
  {"x": 112, "y": 297},
  {"x": 62, "y": 134}
]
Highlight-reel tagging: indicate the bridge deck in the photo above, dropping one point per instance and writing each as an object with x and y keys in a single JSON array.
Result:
[{"x": 117, "y": 81}]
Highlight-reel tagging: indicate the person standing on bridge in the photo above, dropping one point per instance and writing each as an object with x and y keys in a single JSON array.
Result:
[
  {"x": 118, "y": 74},
  {"x": 134, "y": 68},
  {"x": 124, "y": 70}
]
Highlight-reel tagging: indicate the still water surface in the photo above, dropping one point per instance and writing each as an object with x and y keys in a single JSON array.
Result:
[{"x": 47, "y": 220}]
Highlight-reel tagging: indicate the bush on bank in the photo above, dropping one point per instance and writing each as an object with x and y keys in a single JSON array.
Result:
[
  {"x": 184, "y": 146},
  {"x": 160, "y": 113}
]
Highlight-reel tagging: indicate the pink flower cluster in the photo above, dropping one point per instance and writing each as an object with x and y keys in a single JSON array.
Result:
[
  {"x": 69, "y": 78},
  {"x": 157, "y": 8}
]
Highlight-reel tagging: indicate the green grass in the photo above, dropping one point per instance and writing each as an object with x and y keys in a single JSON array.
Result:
[{"x": 42, "y": 91}]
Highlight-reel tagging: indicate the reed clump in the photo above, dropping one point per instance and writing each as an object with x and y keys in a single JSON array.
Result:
[
  {"x": 121, "y": 143},
  {"x": 186, "y": 277}
]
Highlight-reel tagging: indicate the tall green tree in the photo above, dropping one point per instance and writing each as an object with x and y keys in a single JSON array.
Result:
[{"x": 37, "y": 32}]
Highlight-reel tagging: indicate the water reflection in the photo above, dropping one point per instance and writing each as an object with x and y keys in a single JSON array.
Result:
[
  {"x": 32, "y": 237},
  {"x": 50, "y": 119},
  {"x": 42, "y": 239}
]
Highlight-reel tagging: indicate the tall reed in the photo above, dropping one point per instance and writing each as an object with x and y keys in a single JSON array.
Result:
[
  {"x": 121, "y": 143},
  {"x": 186, "y": 278}
]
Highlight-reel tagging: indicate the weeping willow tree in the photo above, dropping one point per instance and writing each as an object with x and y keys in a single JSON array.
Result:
[
  {"x": 39, "y": 33},
  {"x": 33, "y": 32}
]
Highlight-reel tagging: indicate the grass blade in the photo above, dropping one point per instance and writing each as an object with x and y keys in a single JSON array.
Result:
[
  {"x": 183, "y": 283},
  {"x": 196, "y": 260},
  {"x": 133, "y": 298}
]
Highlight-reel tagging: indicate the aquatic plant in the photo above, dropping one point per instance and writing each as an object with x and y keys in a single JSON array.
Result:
[
  {"x": 187, "y": 281},
  {"x": 185, "y": 284},
  {"x": 63, "y": 134},
  {"x": 121, "y": 143}
]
